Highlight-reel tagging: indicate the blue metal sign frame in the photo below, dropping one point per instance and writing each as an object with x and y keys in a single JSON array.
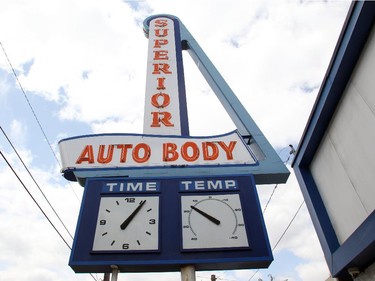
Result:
[
  {"x": 358, "y": 250},
  {"x": 271, "y": 169},
  {"x": 170, "y": 256}
]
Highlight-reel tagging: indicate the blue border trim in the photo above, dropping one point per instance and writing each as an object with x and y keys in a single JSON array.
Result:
[
  {"x": 358, "y": 250},
  {"x": 151, "y": 136},
  {"x": 184, "y": 121},
  {"x": 80, "y": 175}
]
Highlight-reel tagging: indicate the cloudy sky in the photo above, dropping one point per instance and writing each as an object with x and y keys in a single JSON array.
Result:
[{"x": 82, "y": 70}]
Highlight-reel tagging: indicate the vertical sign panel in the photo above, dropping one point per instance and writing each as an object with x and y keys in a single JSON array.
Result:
[{"x": 164, "y": 114}]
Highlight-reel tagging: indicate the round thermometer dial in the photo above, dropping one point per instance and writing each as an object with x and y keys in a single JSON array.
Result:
[{"x": 212, "y": 221}]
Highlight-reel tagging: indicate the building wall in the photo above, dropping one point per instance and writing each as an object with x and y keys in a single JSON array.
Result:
[{"x": 343, "y": 167}]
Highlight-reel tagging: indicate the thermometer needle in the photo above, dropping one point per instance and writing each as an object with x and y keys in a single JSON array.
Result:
[{"x": 211, "y": 218}]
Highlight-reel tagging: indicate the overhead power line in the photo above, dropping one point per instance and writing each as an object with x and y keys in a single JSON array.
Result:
[
  {"x": 283, "y": 234},
  {"x": 290, "y": 223},
  {"x": 50, "y": 147},
  {"x": 33, "y": 112},
  {"x": 32, "y": 177},
  {"x": 291, "y": 152},
  {"x": 36, "y": 203},
  {"x": 29, "y": 103},
  {"x": 32, "y": 197},
  {"x": 269, "y": 199}
]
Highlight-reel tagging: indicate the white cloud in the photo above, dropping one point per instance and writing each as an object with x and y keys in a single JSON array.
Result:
[
  {"x": 89, "y": 58},
  {"x": 88, "y": 37},
  {"x": 119, "y": 125},
  {"x": 4, "y": 88},
  {"x": 313, "y": 271},
  {"x": 18, "y": 132}
]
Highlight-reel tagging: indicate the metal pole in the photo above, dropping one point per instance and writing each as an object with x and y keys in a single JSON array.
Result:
[
  {"x": 115, "y": 272},
  {"x": 188, "y": 273},
  {"x": 106, "y": 276}
]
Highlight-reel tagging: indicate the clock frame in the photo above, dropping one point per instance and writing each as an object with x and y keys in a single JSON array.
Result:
[
  {"x": 127, "y": 223},
  {"x": 213, "y": 221}
]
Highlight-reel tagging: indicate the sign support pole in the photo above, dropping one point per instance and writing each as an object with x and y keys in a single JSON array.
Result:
[
  {"x": 188, "y": 273},
  {"x": 106, "y": 276},
  {"x": 115, "y": 272}
]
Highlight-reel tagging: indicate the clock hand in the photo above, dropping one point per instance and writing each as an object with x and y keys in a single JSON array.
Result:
[
  {"x": 211, "y": 218},
  {"x": 131, "y": 217}
]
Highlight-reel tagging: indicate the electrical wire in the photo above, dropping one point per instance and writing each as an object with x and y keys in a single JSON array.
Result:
[
  {"x": 33, "y": 112},
  {"x": 32, "y": 177},
  {"x": 36, "y": 203},
  {"x": 32, "y": 197},
  {"x": 269, "y": 199},
  {"x": 29, "y": 103},
  {"x": 256, "y": 271},
  {"x": 290, "y": 223},
  {"x": 291, "y": 152},
  {"x": 283, "y": 234},
  {"x": 53, "y": 152}
]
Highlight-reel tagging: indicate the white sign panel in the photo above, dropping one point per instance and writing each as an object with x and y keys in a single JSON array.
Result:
[
  {"x": 131, "y": 150},
  {"x": 162, "y": 111}
]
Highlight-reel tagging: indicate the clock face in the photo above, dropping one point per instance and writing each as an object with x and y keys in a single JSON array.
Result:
[
  {"x": 127, "y": 223},
  {"x": 212, "y": 221}
]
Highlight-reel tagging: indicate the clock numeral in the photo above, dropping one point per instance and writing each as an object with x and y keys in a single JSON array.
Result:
[
  {"x": 152, "y": 221},
  {"x": 102, "y": 222},
  {"x": 238, "y": 210},
  {"x": 186, "y": 226},
  {"x": 233, "y": 237},
  {"x": 125, "y": 246},
  {"x": 130, "y": 200}
]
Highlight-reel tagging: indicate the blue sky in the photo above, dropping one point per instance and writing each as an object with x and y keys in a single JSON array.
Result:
[{"x": 82, "y": 65}]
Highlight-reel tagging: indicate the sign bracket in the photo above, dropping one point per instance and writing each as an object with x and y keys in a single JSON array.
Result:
[{"x": 271, "y": 169}]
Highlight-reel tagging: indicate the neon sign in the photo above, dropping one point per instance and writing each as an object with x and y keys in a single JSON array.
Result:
[
  {"x": 164, "y": 83},
  {"x": 131, "y": 150}
]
